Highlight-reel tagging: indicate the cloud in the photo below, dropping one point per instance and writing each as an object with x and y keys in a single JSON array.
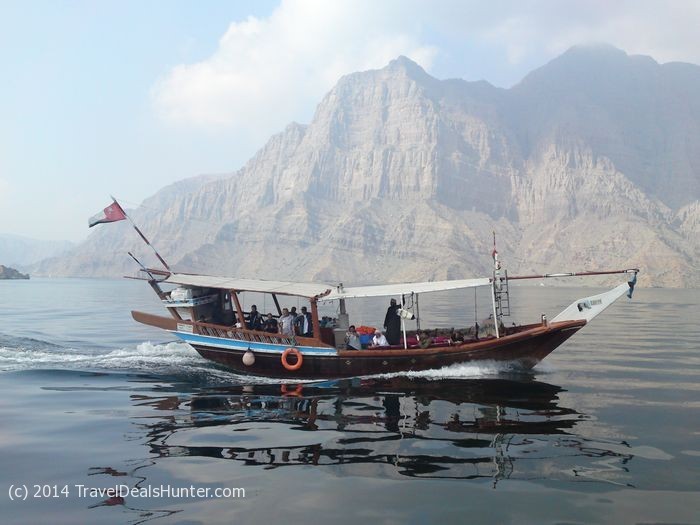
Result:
[{"x": 269, "y": 71}]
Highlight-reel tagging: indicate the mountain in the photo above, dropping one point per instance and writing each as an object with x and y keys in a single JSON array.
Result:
[
  {"x": 592, "y": 161},
  {"x": 21, "y": 251},
  {"x": 10, "y": 273}
]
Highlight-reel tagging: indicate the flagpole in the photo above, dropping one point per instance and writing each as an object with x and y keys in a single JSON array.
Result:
[{"x": 142, "y": 235}]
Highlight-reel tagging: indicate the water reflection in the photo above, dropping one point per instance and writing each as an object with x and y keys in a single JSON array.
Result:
[{"x": 488, "y": 429}]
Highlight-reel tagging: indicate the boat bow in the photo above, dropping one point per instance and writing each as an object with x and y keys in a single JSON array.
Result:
[{"x": 587, "y": 308}]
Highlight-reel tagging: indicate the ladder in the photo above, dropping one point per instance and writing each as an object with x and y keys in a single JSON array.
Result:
[{"x": 502, "y": 298}]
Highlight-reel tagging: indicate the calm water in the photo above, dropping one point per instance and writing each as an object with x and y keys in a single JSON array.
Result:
[{"x": 606, "y": 430}]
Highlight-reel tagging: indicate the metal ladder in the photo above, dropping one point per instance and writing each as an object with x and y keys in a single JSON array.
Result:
[{"x": 502, "y": 298}]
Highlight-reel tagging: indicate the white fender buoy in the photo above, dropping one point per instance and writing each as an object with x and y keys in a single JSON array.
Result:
[{"x": 248, "y": 358}]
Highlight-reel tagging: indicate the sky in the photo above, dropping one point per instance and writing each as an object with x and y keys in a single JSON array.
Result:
[{"x": 125, "y": 97}]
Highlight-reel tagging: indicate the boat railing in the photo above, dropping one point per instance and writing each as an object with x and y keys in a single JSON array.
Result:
[{"x": 244, "y": 335}]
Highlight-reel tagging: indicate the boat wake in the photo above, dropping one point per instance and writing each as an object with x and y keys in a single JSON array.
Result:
[
  {"x": 463, "y": 371},
  {"x": 30, "y": 354}
]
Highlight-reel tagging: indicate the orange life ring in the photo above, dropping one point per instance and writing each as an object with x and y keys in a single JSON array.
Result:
[{"x": 297, "y": 354}]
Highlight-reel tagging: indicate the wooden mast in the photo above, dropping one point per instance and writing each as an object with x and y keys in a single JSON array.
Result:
[
  {"x": 314, "y": 319},
  {"x": 239, "y": 310},
  {"x": 496, "y": 283}
]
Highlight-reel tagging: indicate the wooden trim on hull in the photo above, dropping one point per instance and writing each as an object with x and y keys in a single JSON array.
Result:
[{"x": 524, "y": 348}]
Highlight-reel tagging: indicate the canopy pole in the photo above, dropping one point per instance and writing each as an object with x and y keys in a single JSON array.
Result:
[
  {"x": 417, "y": 314},
  {"x": 277, "y": 304},
  {"x": 493, "y": 302},
  {"x": 403, "y": 325},
  {"x": 239, "y": 309}
]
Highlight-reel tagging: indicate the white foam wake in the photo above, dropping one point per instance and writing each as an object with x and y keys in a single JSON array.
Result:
[
  {"x": 145, "y": 356},
  {"x": 461, "y": 371}
]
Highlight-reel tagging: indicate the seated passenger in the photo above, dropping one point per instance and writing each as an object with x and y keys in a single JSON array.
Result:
[
  {"x": 379, "y": 339},
  {"x": 457, "y": 337},
  {"x": 424, "y": 339},
  {"x": 352, "y": 339},
  {"x": 270, "y": 324}
]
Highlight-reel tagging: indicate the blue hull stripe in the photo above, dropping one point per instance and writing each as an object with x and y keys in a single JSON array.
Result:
[{"x": 235, "y": 344}]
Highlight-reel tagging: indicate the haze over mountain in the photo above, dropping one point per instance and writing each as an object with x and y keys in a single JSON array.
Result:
[
  {"x": 592, "y": 161},
  {"x": 16, "y": 250}
]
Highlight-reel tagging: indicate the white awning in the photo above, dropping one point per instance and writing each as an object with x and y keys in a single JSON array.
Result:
[
  {"x": 386, "y": 290},
  {"x": 324, "y": 292},
  {"x": 308, "y": 290}
]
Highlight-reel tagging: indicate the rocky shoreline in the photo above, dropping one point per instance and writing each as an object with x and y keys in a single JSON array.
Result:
[{"x": 10, "y": 273}]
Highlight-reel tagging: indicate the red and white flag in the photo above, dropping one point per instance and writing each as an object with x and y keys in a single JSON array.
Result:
[{"x": 111, "y": 213}]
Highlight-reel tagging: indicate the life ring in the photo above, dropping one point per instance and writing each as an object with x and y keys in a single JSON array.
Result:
[{"x": 297, "y": 354}]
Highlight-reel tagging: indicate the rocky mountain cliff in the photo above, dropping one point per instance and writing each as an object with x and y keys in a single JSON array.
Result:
[{"x": 592, "y": 161}]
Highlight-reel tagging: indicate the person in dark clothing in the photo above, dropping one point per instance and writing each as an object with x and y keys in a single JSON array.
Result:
[
  {"x": 392, "y": 323},
  {"x": 270, "y": 324},
  {"x": 303, "y": 324},
  {"x": 255, "y": 319}
]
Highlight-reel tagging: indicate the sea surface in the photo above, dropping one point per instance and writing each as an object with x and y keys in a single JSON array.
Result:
[{"x": 98, "y": 413}]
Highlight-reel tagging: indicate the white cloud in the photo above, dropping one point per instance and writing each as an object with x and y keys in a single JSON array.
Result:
[{"x": 267, "y": 72}]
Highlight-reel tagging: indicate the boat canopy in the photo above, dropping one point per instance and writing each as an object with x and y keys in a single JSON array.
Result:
[
  {"x": 308, "y": 290},
  {"x": 324, "y": 292},
  {"x": 385, "y": 290}
]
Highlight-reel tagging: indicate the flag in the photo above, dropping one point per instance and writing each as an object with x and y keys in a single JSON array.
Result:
[{"x": 111, "y": 213}]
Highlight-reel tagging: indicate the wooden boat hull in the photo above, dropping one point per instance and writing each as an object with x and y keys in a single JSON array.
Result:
[{"x": 524, "y": 350}]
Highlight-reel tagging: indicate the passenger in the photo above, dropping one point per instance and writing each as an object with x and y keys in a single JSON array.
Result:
[
  {"x": 392, "y": 323},
  {"x": 352, "y": 339},
  {"x": 379, "y": 339},
  {"x": 303, "y": 324},
  {"x": 270, "y": 324},
  {"x": 294, "y": 315},
  {"x": 424, "y": 339},
  {"x": 255, "y": 319},
  {"x": 286, "y": 323},
  {"x": 457, "y": 337}
]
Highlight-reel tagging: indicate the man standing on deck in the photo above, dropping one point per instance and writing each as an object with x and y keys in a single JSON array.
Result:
[
  {"x": 286, "y": 323},
  {"x": 392, "y": 323},
  {"x": 255, "y": 320},
  {"x": 303, "y": 323}
]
